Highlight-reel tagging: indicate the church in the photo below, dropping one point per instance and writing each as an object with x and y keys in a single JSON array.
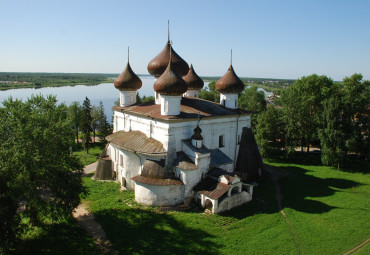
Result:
[{"x": 180, "y": 148}]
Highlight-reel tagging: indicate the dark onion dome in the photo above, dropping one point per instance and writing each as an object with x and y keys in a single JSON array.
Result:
[
  {"x": 170, "y": 83},
  {"x": 128, "y": 80},
  {"x": 193, "y": 81},
  {"x": 153, "y": 169},
  {"x": 158, "y": 65},
  {"x": 197, "y": 133},
  {"x": 229, "y": 83}
]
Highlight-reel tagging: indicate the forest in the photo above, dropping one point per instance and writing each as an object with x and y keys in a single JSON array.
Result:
[{"x": 10, "y": 80}]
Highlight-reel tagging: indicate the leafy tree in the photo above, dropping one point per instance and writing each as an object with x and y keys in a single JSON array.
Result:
[
  {"x": 302, "y": 107},
  {"x": 147, "y": 99},
  {"x": 74, "y": 114},
  {"x": 252, "y": 100},
  {"x": 35, "y": 163},
  {"x": 331, "y": 134},
  {"x": 270, "y": 133},
  {"x": 86, "y": 122},
  {"x": 356, "y": 117},
  {"x": 210, "y": 93},
  {"x": 138, "y": 98}
]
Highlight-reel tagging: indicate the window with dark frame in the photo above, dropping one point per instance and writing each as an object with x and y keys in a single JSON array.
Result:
[{"x": 221, "y": 141}]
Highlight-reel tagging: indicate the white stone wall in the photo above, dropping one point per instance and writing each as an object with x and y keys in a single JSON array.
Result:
[
  {"x": 170, "y": 105},
  {"x": 233, "y": 201},
  {"x": 229, "y": 100},
  {"x": 159, "y": 195},
  {"x": 127, "y": 98}
]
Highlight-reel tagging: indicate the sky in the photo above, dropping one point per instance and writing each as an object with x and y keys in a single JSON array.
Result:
[{"x": 269, "y": 39}]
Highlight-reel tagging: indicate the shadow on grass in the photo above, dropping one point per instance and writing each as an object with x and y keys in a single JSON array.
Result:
[
  {"x": 59, "y": 238},
  {"x": 144, "y": 232},
  {"x": 296, "y": 188}
]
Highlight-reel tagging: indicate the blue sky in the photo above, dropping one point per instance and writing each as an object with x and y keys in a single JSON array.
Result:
[{"x": 276, "y": 39}]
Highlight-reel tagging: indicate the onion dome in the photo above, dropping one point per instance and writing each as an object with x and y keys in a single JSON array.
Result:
[
  {"x": 128, "y": 80},
  {"x": 158, "y": 65},
  {"x": 229, "y": 83},
  {"x": 170, "y": 83},
  {"x": 153, "y": 169},
  {"x": 197, "y": 133},
  {"x": 193, "y": 81}
]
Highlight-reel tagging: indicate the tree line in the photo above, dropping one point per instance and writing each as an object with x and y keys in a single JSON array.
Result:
[{"x": 313, "y": 111}]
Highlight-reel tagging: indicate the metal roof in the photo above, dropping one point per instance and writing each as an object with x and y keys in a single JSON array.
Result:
[
  {"x": 138, "y": 142},
  {"x": 212, "y": 188},
  {"x": 219, "y": 158},
  {"x": 184, "y": 162},
  {"x": 189, "y": 109},
  {"x": 157, "y": 181}
]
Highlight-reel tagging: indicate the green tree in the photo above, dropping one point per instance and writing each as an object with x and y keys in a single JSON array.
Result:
[
  {"x": 35, "y": 163},
  {"x": 270, "y": 134},
  {"x": 104, "y": 127},
  {"x": 86, "y": 123},
  {"x": 331, "y": 134},
  {"x": 356, "y": 117},
  {"x": 138, "y": 98},
  {"x": 147, "y": 99},
  {"x": 74, "y": 114},
  {"x": 252, "y": 100},
  {"x": 210, "y": 93},
  {"x": 302, "y": 107}
]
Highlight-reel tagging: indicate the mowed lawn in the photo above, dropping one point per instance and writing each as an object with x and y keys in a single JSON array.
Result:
[{"x": 327, "y": 212}]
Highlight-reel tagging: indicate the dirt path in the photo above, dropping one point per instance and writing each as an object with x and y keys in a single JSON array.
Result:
[
  {"x": 86, "y": 220},
  {"x": 357, "y": 247}
]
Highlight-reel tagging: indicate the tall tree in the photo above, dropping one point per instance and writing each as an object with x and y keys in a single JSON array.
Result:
[
  {"x": 35, "y": 162},
  {"x": 86, "y": 123},
  {"x": 74, "y": 114},
  {"x": 210, "y": 93},
  {"x": 104, "y": 126},
  {"x": 302, "y": 107},
  {"x": 270, "y": 133},
  {"x": 356, "y": 115}
]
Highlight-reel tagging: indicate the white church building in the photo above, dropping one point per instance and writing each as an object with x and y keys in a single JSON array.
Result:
[{"x": 179, "y": 148}]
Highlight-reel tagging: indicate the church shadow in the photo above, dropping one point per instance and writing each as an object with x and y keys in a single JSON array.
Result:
[
  {"x": 145, "y": 232},
  {"x": 297, "y": 190}
]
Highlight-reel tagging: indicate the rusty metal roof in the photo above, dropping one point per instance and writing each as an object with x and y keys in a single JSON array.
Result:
[
  {"x": 137, "y": 141},
  {"x": 128, "y": 80},
  {"x": 157, "y": 181},
  {"x": 193, "y": 80},
  {"x": 190, "y": 106},
  {"x": 230, "y": 82},
  {"x": 211, "y": 188},
  {"x": 184, "y": 162}
]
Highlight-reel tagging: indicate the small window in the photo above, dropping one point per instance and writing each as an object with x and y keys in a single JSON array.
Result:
[
  {"x": 221, "y": 141},
  {"x": 235, "y": 103},
  {"x": 238, "y": 139}
]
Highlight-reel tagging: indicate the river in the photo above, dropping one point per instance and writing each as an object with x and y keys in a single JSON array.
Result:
[{"x": 105, "y": 92}]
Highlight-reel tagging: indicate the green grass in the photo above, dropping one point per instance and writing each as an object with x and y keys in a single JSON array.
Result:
[
  {"x": 327, "y": 210},
  {"x": 59, "y": 238},
  {"x": 92, "y": 156}
]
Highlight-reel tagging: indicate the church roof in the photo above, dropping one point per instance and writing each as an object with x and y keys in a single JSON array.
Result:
[
  {"x": 212, "y": 188},
  {"x": 230, "y": 82},
  {"x": 189, "y": 109},
  {"x": 184, "y": 162},
  {"x": 157, "y": 182},
  {"x": 193, "y": 80},
  {"x": 219, "y": 158},
  {"x": 158, "y": 65},
  {"x": 138, "y": 142},
  {"x": 128, "y": 80},
  {"x": 170, "y": 83}
]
